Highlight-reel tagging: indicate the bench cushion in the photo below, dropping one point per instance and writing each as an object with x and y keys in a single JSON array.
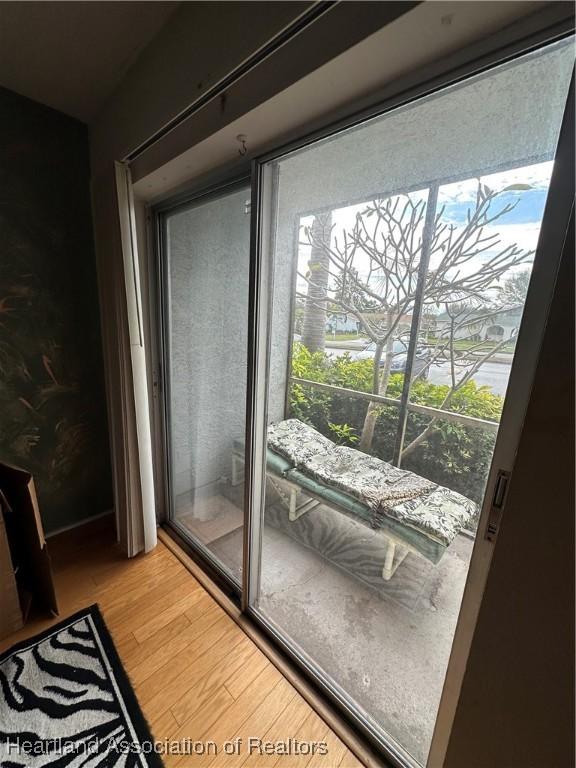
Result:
[
  {"x": 274, "y": 462},
  {"x": 429, "y": 548},
  {"x": 384, "y": 492},
  {"x": 277, "y": 464}
]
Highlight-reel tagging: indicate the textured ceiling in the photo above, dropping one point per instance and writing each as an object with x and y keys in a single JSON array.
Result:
[{"x": 71, "y": 55}]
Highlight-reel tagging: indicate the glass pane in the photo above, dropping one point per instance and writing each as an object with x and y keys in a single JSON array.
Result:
[
  {"x": 367, "y": 529},
  {"x": 483, "y": 243},
  {"x": 207, "y": 255}
]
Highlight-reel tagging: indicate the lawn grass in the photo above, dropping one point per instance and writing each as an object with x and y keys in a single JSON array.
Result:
[{"x": 461, "y": 345}]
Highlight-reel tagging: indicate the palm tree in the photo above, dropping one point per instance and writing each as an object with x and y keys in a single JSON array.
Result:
[{"x": 314, "y": 325}]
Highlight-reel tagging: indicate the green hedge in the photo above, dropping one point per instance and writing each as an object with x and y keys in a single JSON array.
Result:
[{"x": 453, "y": 455}]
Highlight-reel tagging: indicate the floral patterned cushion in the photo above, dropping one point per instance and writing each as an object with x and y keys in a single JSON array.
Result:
[
  {"x": 297, "y": 441},
  {"x": 437, "y": 512},
  {"x": 441, "y": 514},
  {"x": 378, "y": 484}
]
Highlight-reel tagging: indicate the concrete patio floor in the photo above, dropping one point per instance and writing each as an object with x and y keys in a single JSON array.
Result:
[{"x": 385, "y": 643}]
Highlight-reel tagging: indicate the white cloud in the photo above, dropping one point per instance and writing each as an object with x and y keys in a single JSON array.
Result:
[{"x": 537, "y": 176}]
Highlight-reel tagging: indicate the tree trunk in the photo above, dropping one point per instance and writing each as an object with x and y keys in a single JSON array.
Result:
[
  {"x": 367, "y": 436},
  {"x": 314, "y": 325},
  {"x": 379, "y": 388}
]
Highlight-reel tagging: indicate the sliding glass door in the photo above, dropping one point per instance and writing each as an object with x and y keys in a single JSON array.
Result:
[
  {"x": 338, "y": 355},
  {"x": 205, "y": 257},
  {"x": 397, "y": 256}
]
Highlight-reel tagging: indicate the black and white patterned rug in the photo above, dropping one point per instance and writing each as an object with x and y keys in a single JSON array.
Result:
[{"x": 66, "y": 701}]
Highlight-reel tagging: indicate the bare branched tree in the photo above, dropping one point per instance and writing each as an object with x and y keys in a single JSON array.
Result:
[{"x": 371, "y": 270}]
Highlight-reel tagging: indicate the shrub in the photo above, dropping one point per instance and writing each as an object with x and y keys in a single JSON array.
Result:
[{"x": 452, "y": 455}]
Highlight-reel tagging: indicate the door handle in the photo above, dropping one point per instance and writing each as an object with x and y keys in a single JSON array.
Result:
[{"x": 497, "y": 506}]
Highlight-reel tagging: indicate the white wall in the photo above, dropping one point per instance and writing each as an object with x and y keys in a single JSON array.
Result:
[
  {"x": 208, "y": 258},
  {"x": 506, "y": 118}
]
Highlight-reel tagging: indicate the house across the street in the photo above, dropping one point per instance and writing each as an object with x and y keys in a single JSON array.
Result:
[{"x": 498, "y": 327}]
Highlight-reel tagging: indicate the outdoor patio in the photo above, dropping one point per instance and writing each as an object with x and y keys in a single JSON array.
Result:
[{"x": 386, "y": 643}]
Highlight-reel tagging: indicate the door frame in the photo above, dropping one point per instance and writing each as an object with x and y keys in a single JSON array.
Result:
[{"x": 554, "y": 226}]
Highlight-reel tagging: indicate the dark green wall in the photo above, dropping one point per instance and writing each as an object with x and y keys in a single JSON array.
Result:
[{"x": 52, "y": 401}]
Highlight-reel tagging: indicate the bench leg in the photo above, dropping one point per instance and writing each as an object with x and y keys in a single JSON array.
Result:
[
  {"x": 292, "y": 507},
  {"x": 235, "y": 480},
  {"x": 297, "y": 512},
  {"x": 391, "y": 562}
]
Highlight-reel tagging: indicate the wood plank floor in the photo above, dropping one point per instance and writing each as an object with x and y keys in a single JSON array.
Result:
[{"x": 197, "y": 675}]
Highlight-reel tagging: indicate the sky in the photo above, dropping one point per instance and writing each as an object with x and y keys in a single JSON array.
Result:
[{"x": 520, "y": 226}]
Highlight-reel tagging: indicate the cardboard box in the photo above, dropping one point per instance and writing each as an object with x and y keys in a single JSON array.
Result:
[
  {"x": 10, "y": 614},
  {"x": 24, "y": 558}
]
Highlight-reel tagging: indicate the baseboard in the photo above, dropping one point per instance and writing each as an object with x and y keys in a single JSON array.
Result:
[{"x": 79, "y": 523}]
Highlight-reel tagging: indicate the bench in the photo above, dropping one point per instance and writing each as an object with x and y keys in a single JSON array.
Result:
[{"x": 412, "y": 513}]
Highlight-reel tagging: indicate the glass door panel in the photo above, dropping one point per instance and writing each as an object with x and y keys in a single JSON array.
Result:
[
  {"x": 206, "y": 265},
  {"x": 400, "y": 249}
]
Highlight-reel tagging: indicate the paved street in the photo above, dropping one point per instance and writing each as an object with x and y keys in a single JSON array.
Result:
[{"x": 494, "y": 375}]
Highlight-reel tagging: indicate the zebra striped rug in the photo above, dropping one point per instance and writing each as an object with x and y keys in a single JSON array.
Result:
[{"x": 66, "y": 701}]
